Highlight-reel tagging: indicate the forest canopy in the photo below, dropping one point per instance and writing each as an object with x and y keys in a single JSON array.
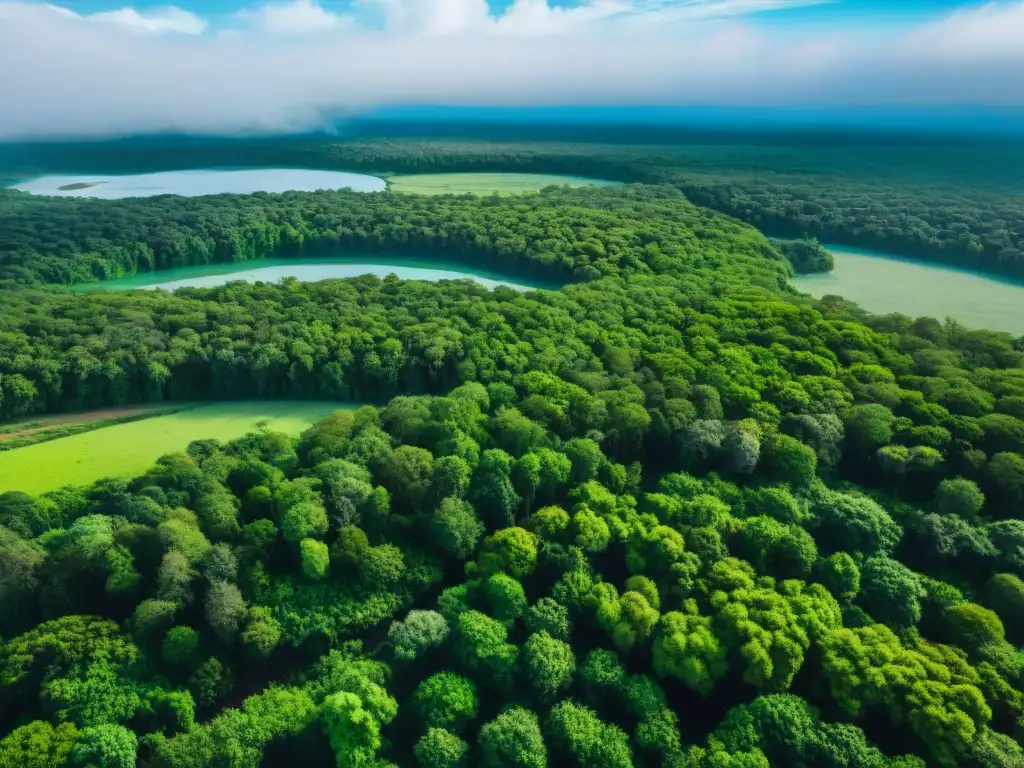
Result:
[
  {"x": 671, "y": 514},
  {"x": 952, "y": 200}
]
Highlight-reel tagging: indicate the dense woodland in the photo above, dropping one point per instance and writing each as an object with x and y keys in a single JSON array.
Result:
[
  {"x": 560, "y": 234},
  {"x": 671, "y": 514},
  {"x": 953, "y": 200}
]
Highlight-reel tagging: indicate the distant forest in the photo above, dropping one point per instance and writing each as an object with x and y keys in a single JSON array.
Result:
[{"x": 942, "y": 199}]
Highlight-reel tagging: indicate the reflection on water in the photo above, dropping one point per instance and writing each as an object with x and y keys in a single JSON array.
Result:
[
  {"x": 267, "y": 270},
  {"x": 200, "y": 182}
]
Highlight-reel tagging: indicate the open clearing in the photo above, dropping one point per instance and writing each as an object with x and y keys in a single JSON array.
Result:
[
  {"x": 129, "y": 449},
  {"x": 881, "y": 283},
  {"x": 485, "y": 183}
]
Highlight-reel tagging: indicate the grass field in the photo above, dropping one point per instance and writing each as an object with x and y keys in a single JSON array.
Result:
[
  {"x": 484, "y": 183},
  {"x": 125, "y": 450}
]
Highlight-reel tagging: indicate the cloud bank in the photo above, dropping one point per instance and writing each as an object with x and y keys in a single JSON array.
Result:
[{"x": 289, "y": 65}]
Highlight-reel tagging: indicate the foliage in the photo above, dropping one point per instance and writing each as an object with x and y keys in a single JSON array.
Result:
[
  {"x": 670, "y": 514},
  {"x": 513, "y": 740},
  {"x": 446, "y": 700},
  {"x": 438, "y": 748},
  {"x": 417, "y": 634}
]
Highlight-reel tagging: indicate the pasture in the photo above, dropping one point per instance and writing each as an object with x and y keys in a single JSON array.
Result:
[
  {"x": 485, "y": 183},
  {"x": 125, "y": 450}
]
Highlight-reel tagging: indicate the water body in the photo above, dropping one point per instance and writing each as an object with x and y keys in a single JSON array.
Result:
[
  {"x": 312, "y": 270},
  {"x": 199, "y": 182},
  {"x": 884, "y": 283}
]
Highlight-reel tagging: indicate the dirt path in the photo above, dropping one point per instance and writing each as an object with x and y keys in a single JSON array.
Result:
[{"x": 42, "y": 423}]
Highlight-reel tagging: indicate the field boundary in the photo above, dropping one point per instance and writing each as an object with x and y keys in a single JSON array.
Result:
[{"x": 37, "y": 432}]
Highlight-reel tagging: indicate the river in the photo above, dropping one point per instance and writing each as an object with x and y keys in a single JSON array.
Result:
[
  {"x": 311, "y": 270},
  {"x": 884, "y": 283}
]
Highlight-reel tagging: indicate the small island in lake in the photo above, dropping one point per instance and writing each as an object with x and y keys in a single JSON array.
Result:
[{"x": 80, "y": 185}]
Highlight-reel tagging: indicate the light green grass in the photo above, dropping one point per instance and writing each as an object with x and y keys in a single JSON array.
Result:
[
  {"x": 485, "y": 183},
  {"x": 882, "y": 283},
  {"x": 126, "y": 450}
]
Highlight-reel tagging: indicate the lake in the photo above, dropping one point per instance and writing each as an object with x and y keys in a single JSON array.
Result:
[
  {"x": 199, "y": 182},
  {"x": 883, "y": 283},
  {"x": 312, "y": 270}
]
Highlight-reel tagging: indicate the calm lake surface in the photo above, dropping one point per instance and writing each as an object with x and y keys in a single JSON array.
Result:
[
  {"x": 199, "y": 182},
  {"x": 312, "y": 270},
  {"x": 883, "y": 283}
]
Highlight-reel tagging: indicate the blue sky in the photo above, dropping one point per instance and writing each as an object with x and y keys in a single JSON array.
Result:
[
  {"x": 826, "y": 12},
  {"x": 98, "y": 67}
]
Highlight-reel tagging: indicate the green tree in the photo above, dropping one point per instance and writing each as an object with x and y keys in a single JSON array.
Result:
[
  {"x": 417, "y": 634},
  {"x": 481, "y": 644},
  {"x": 316, "y": 561},
  {"x": 491, "y": 489},
  {"x": 512, "y": 740},
  {"x": 305, "y": 520},
  {"x": 869, "y": 427},
  {"x": 957, "y": 496},
  {"x": 446, "y": 700},
  {"x": 891, "y": 592},
  {"x": 180, "y": 646},
  {"x": 455, "y": 528},
  {"x": 592, "y": 533},
  {"x": 840, "y": 575},
  {"x": 210, "y": 682},
  {"x": 225, "y": 610},
  {"x": 1004, "y": 593},
  {"x": 105, "y": 746},
  {"x": 262, "y": 631},
  {"x": 550, "y": 616},
  {"x": 549, "y": 664},
  {"x": 931, "y": 689},
  {"x": 409, "y": 472},
  {"x": 438, "y": 748},
  {"x": 505, "y": 597},
  {"x": 587, "y": 740},
  {"x": 586, "y": 457},
  {"x": 687, "y": 647},
  {"x": 354, "y": 733},
  {"x": 38, "y": 745},
  {"x": 451, "y": 477},
  {"x": 855, "y": 524},
  {"x": 972, "y": 627},
  {"x": 628, "y": 618},
  {"x": 513, "y": 550},
  {"x": 790, "y": 460}
]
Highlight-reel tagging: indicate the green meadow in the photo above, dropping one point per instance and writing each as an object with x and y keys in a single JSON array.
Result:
[
  {"x": 485, "y": 183},
  {"x": 129, "y": 449}
]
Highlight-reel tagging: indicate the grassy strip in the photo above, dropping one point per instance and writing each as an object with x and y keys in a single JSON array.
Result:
[
  {"x": 67, "y": 430},
  {"x": 484, "y": 183},
  {"x": 23, "y": 426}
]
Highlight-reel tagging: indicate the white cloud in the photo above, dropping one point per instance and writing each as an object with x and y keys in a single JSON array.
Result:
[
  {"x": 991, "y": 30},
  {"x": 434, "y": 17},
  {"x": 536, "y": 17},
  {"x": 165, "y": 19},
  {"x": 295, "y": 17},
  {"x": 453, "y": 52}
]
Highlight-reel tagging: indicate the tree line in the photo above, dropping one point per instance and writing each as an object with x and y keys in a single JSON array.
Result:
[
  {"x": 560, "y": 234},
  {"x": 952, "y": 202}
]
